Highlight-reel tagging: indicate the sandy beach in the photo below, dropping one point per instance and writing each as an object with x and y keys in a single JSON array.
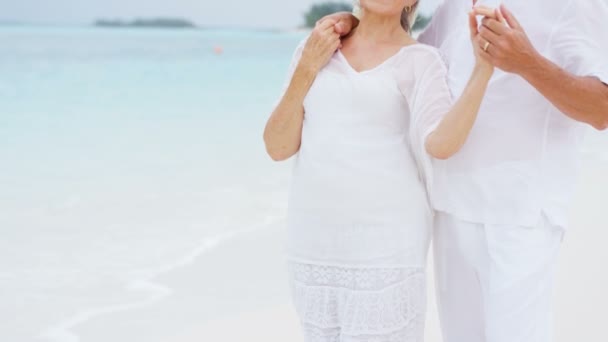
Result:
[
  {"x": 239, "y": 282},
  {"x": 238, "y": 292},
  {"x": 582, "y": 277}
]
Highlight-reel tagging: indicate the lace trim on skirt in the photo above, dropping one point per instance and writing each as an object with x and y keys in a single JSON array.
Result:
[{"x": 359, "y": 302}]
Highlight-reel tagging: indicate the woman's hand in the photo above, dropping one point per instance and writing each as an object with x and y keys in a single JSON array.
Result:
[
  {"x": 320, "y": 46},
  {"x": 345, "y": 22},
  {"x": 455, "y": 127},
  {"x": 483, "y": 60},
  {"x": 283, "y": 132}
]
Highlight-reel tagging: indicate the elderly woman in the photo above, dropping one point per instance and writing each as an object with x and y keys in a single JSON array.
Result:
[{"x": 365, "y": 116}]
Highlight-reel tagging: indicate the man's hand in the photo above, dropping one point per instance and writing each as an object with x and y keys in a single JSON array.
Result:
[
  {"x": 344, "y": 22},
  {"x": 507, "y": 47},
  {"x": 506, "y": 42}
]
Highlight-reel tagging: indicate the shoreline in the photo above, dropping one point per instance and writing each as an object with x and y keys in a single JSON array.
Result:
[
  {"x": 205, "y": 293},
  {"x": 235, "y": 287},
  {"x": 151, "y": 284},
  {"x": 238, "y": 290}
]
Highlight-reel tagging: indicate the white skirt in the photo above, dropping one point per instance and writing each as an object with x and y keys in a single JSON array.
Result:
[{"x": 355, "y": 304}]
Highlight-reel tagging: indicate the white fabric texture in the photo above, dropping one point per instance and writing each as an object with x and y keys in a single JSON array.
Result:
[
  {"x": 502, "y": 276},
  {"x": 358, "y": 219},
  {"x": 357, "y": 197},
  {"x": 521, "y": 158},
  {"x": 359, "y": 304},
  {"x": 580, "y": 42}
]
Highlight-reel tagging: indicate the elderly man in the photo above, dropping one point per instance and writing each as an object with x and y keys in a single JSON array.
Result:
[{"x": 503, "y": 200}]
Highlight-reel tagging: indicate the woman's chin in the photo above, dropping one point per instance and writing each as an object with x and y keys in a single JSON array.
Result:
[
  {"x": 382, "y": 13},
  {"x": 382, "y": 7}
]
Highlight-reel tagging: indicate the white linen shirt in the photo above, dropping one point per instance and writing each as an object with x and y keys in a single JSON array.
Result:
[{"x": 521, "y": 158}]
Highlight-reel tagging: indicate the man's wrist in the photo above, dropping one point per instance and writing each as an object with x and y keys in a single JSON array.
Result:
[{"x": 537, "y": 65}]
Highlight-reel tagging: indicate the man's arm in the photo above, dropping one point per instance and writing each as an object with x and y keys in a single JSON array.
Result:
[{"x": 584, "y": 99}]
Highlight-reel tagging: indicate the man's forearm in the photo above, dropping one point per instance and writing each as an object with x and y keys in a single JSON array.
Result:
[{"x": 583, "y": 99}]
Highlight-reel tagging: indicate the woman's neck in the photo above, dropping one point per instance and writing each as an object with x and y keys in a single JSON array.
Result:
[{"x": 380, "y": 28}]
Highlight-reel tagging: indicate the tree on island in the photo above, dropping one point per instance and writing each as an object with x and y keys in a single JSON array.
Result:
[{"x": 318, "y": 11}]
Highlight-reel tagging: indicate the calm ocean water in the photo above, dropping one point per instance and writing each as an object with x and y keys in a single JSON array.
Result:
[{"x": 124, "y": 153}]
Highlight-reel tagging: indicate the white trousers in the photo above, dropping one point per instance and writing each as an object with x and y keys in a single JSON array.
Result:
[{"x": 495, "y": 282}]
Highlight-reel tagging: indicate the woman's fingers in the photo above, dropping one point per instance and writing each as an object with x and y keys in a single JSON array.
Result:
[
  {"x": 321, "y": 45},
  {"x": 500, "y": 17},
  {"x": 330, "y": 37},
  {"x": 328, "y": 41},
  {"x": 510, "y": 18},
  {"x": 335, "y": 42},
  {"x": 336, "y": 45},
  {"x": 326, "y": 29},
  {"x": 323, "y": 32},
  {"x": 325, "y": 24},
  {"x": 483, "y": 54},
  {"x": 485, "y": 11},
  {"x": 343, "y": 26},
  {"x": 332, "y": 17},
  {"x": 480, "y": 44},
  {"x": 473, "y": 25}
]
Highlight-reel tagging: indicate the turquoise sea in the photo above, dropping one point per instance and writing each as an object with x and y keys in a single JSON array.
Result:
[{"x": 123, "y": 153}]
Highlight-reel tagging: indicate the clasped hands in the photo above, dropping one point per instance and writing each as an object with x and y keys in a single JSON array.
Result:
[{"x": 503, "y": 41}]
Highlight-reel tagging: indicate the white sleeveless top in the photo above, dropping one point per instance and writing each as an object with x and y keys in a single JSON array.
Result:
[{"x": 358, "y": 195}]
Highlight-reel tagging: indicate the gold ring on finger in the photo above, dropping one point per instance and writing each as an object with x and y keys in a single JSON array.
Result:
[{"x": 486, "y": 46}]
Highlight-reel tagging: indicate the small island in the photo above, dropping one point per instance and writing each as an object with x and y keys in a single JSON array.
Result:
[{"x": 146, "y": 23}]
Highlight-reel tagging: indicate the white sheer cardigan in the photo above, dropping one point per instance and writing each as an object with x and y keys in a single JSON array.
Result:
[{"x": 360, "y": 185}]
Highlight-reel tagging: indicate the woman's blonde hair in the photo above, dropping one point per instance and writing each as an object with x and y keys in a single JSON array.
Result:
[{"x": 408, "y": 16}]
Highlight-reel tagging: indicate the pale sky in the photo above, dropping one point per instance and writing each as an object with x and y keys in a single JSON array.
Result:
[{"x": 256, "y": 14}]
